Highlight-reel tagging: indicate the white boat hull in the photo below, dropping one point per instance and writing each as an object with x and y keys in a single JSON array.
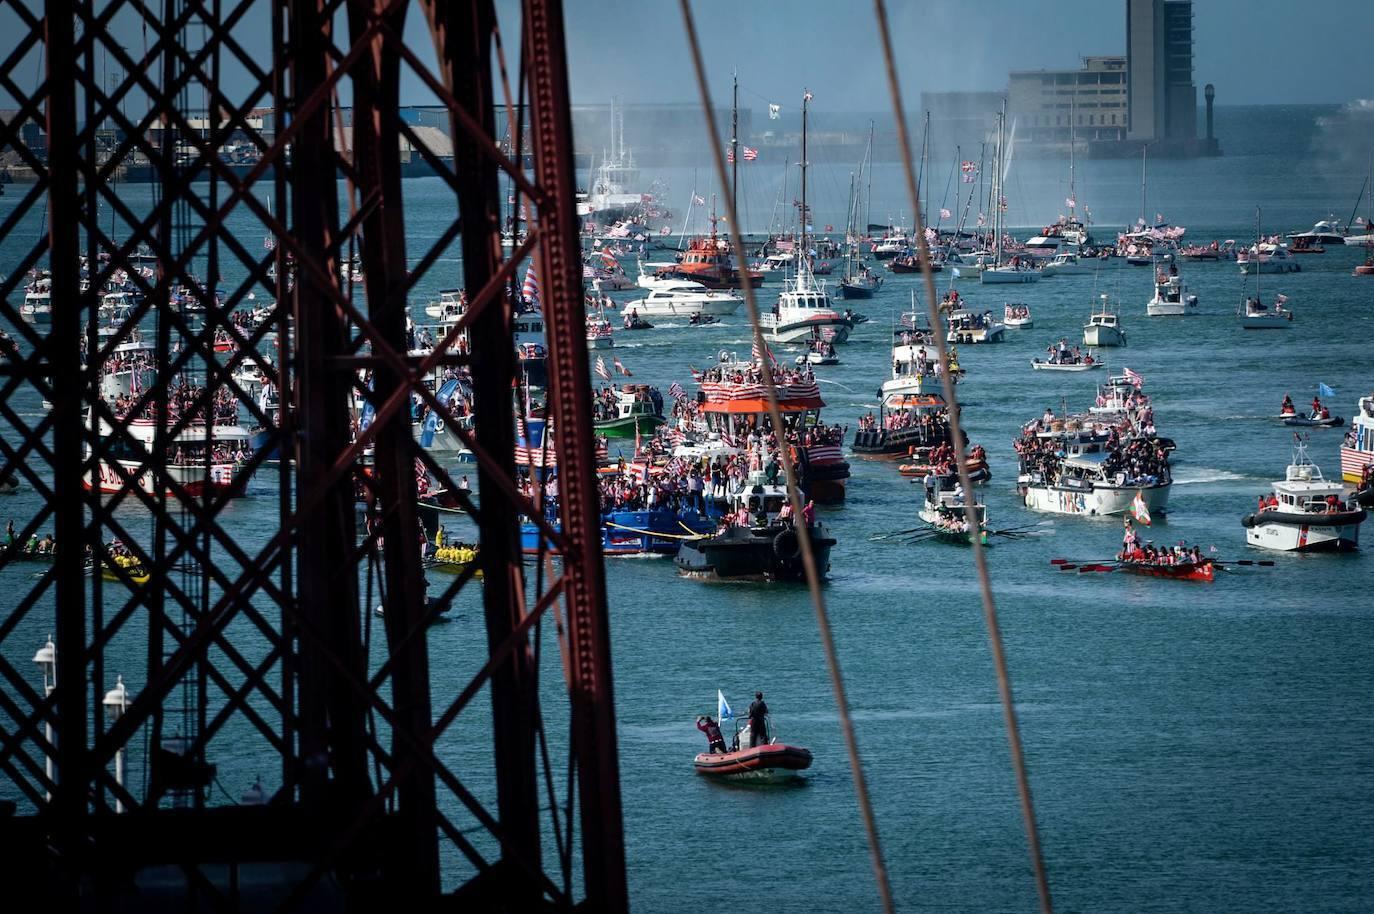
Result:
[
  {"x": 803, "y": 331},
  {"x": 1267, "y": 321},
  {"x": 718, "y": 307},
  {"x": 1006, "y": 276},
  {"x": 600, "y": 342},
  {"x": 1097, "y": 335},
  {"x": 194, "y": 480},
  {"x": 1158, "y": 308},
  {"x": 1066, "y": 269},
  {"x": 1303, "y": 538},
  {"x": 1040, "y": 365},
  {"x": 1019, "y": 323},
  {"x": 986, "y": 334},
  {"x": 1095, "y": 501},
  {"x": 1269, "y": 266}
]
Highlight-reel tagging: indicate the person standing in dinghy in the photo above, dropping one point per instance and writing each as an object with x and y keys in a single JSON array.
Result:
[
  {"x": 758, "y": 721},
  {"x": 707, "y": 724}
]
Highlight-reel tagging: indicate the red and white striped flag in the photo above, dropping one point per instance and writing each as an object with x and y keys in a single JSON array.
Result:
[
  {"x": 602, "y": 371},
  {"x": 530, "y": 290},
  {"x": 1070, "y": 202},
  {"x": 1140, "y": 509},
  {"x": 969, "y": 170},
  {"x": 765, "y": 352},
  {"x": 1135, "y": 378},
  {"x": 676, "y": 392},
  {"x": 620, "y": 367},
  {"x": 749, "y": 154},
  {"x": 697, "y": 373},
  {"x": 945, "y": 214}
]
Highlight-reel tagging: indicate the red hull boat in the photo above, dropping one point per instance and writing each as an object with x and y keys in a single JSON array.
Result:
[
  {"x": 771, "y": 762},
  {"x": 1184, "y": 571}
]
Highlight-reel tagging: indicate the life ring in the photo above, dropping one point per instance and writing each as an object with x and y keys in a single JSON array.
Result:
[
  {"x": 787, "y": 545},
  {"x": 724, "y": 356}
]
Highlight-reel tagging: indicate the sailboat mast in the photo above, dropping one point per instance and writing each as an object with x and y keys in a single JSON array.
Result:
[
  {"x": 868, "y": 206},
  {"x": 1143, "y": 223},
  {"x": 1255, "y": 261},
  {"x": 922, "y": 195},
  {"x": 806, "y": 99},
  {"x": 734, "y": 144},
  {"x": 1073, "y": 141},
  {"x": 997, "y": 191}
]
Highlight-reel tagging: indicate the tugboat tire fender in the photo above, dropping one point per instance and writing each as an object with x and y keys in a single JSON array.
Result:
[{"x": 787, "y": 545}]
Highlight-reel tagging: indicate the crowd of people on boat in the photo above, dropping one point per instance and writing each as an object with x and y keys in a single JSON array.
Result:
[
  {"x": 606, "y": 400},
  {"x": 182, "y": 404},
  {"x": 1064, "y": 354},
  {"x": 1138, "y": 552},
  {"x": 751, "y": 373},
  {"x": 933, "y": 424},
  {"x": 1133, "y": 456},
  {"x": 35, "y": 545}
]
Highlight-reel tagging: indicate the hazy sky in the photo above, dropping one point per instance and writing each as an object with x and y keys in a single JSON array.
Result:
[{"x": 1254, "y": 51}]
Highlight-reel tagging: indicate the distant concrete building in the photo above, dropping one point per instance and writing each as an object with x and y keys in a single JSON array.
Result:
[
  {"x": 1159, "y": 61},
  {"x": 1053, "y": 106}
]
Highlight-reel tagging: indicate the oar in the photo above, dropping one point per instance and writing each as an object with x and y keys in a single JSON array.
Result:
[
  {"x": 885, "y": 536},
  {"x": 1105, "y": 569},
  {"x": 1082, "y": 561},
  {"x": 1265, "y": 562}
]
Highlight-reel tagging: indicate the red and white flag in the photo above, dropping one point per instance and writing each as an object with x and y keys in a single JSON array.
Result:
[
  {"x": 602, "y": 371},
  {"x": 945, "y": 214},
  {"x": 969, "y": 170},
  {"x": 620, "y": 367},
  {"x": 748, "y": 153},
  {"x": 1070, "y": 202},
  {"x": 765, "y": 352},
  {"x": 1139, "y": 508},
  {"x": 698, "y": 200},
  {"x": 1135, "y": 378},
  {"x": 530, "y": 290}
]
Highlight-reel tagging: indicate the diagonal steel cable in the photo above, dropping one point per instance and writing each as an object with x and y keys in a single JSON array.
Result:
[
  {"x": 980, "y": 563},
  {"x": 804, "y": 533}
]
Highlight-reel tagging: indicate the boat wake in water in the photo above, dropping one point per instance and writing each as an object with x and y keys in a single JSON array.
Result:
[{"x": 1202, "y": 475}]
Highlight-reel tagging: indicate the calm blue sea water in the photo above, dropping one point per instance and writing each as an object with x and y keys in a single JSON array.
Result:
[{"x": 1191, "y": 747}]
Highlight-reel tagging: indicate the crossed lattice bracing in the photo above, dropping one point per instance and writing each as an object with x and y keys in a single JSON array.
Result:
[{"x": 273, "y": 627}]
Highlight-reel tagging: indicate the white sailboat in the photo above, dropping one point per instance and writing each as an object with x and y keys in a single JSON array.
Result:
[
  {"x": 1015, "y": 271},
  {"x": 1254, "y": 313},
  {"x": 804, "y": 309}
]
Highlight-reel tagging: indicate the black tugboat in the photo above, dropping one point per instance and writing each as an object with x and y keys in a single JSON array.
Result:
[{"x": 766, "y": 548}]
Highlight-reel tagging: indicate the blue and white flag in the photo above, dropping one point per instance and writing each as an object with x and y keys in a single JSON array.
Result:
[
  {"x": 723, "y": 711},
  {"x": 956, "y": 273},
  {"x": 1324, "y": 391}
]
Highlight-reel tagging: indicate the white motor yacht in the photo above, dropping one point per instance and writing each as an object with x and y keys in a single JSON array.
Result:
[
  {"x": 683, "y": 298},
  {"x": 1266, "y": 257},
  {"x": 1067, "y": 265},
  {"x": 1171, "y": 298}
]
